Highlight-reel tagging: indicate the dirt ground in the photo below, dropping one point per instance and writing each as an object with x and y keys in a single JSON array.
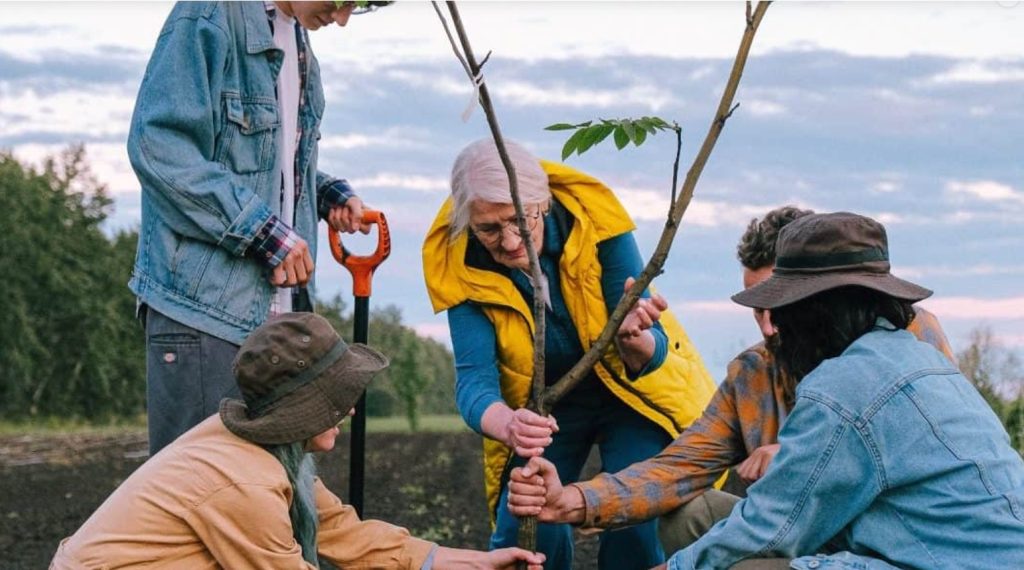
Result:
[{"x": 430, "y": 483}]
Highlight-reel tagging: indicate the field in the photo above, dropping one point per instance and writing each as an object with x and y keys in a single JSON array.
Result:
[{"x": 429, "y": 482}]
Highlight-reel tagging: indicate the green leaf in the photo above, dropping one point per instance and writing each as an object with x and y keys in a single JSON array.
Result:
[
  {"x": 559, "y": 127},
  {"x": 621, "y": 138},
  {"x": 594, "y": 135},
  {"x": 648, "y": 124},
  {"x": 570, "y": 145},
  {"x": 639, "y": 137},
  {"x": 627, "y": 126}
]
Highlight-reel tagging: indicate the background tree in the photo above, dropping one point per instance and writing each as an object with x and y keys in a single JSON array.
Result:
[
  {"x": 997, "y": 373},
  {"x": 70, "y": 344},
  {"x": 419, "y": 379}
]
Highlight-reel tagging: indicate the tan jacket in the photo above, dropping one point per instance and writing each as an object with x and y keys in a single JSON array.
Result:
[{"x": 214, "y": 500}]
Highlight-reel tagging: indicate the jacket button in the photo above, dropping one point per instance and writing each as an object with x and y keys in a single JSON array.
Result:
[
  {"x": 301, "y": 363},
  {"x": 814, "y": 564},
  {"x": 274, "y": 359}
]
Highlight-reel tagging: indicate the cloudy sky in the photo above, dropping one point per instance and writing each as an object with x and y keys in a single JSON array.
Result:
[{"x": 912, "y": 113}]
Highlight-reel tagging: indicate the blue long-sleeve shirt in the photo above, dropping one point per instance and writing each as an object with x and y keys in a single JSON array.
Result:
[{"x": 474, "y": 341}]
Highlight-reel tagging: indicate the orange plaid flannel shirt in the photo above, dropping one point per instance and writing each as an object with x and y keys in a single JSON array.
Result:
[{"x": 743, "y": 415}]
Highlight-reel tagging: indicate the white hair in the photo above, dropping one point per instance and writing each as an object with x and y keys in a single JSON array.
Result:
[{"x": 478, "y": 174}]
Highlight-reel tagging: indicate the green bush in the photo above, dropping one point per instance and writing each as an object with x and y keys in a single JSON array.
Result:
[{"x": 70, "y": 345}]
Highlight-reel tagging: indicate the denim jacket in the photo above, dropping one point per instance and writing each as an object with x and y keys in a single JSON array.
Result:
[
  {"x": 888, "y": 458},
  {"x": 204, "y": 144}
]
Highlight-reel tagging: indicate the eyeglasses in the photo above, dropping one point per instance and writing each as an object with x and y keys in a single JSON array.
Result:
[{"x": 492, "y": 233}]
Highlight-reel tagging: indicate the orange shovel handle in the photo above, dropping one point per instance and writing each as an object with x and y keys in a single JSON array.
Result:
[{"x": 362, "y": 266}]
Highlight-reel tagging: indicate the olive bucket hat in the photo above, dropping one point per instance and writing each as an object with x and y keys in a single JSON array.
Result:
[
  {"x": 819, "y": 252},
  {"x": 298, "y": 378}
]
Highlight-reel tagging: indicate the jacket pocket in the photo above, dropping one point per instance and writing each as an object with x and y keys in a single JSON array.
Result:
[
  {"x": 246, "y": 141},
  {"x": 188, "y": 266}
]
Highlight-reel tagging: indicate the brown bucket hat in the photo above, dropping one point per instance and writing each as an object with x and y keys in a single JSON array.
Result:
[
  {"x": 819, "y": 252},
  {"x": 297, "y": 378}
]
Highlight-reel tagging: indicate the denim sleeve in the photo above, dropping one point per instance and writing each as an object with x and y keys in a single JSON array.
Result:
[
  {"x": 783, "y": 517},
  {"x": 620, "y": 259},
  {"x": 331, "y": 193},
  {"x": 476, "y": 369},
  {"x": 171, "y": 141}
]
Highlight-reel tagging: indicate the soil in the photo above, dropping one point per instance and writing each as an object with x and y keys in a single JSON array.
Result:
[{"x": 431, "y": 484}]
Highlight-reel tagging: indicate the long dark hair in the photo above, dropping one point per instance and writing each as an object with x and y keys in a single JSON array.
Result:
[
  {"x": 823, "y": 325},
  {"x": 301, "y": 470}
]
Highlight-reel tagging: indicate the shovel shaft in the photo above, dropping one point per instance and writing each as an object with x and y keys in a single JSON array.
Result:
[
  {"x": 361, "y": 267},
  {"x": 357, "y": 453}
]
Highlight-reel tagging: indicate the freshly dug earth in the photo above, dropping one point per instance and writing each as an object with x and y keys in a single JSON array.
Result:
[{"x": 430, "y": 483}]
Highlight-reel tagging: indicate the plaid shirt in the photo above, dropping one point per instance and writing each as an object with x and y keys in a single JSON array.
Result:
[
  {"x": 743, "y": 415},
  {"x": 276, "y": 238}
]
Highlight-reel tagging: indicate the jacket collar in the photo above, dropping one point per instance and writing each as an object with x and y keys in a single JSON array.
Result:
[{"x": 257, "y": 29}]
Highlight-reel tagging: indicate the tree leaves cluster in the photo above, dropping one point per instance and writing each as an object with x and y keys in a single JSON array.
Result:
[
  {"x": 622, "y": 131},
  {"x": 420, "y": 378},
  {"x": 69, "y": 343},
  {"x": 998, "y": 374}
]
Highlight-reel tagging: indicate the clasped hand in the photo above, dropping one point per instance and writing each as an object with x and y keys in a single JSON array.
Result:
[{"x": 297, "y": 266}]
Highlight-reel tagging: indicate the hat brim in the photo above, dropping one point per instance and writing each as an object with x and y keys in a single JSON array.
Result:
[
  {"x": 311, "y": 409},
  {"x": 780, "y": 290}
]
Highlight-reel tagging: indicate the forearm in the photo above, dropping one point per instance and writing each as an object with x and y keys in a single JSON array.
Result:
[
  {"x": 571, "y": 507},
  {"x": 495, "y": 421},
  {"x": 459, "y": 559},
  {"x": 476, "y": 375},
  {"x": 173, "y": 138},
  {"x": 610, "y": 500}
]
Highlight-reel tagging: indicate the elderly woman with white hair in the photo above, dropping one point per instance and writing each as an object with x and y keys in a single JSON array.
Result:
[{"x": 647, "y": 388}]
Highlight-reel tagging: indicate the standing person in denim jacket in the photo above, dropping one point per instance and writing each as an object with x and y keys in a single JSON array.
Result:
[
  {"x": 223, "y": 141},
  {"x": 889, "y": 457}
]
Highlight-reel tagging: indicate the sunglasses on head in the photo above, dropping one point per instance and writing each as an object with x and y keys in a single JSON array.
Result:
[{"x": 363, "y": 6}]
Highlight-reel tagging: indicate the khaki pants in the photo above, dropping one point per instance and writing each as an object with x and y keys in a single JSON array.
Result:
[{"x": 683, "y": 526}]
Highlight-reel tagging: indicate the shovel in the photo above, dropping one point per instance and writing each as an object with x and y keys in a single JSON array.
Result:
[{"x": 361, "y": 267}]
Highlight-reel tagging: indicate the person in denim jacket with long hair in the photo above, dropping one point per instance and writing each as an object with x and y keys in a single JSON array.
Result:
[
  {"x": 224, "y": 143},
  {"x": 889, "y": 457}
]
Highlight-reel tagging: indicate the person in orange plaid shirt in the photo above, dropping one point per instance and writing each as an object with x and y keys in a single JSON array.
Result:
[{"x": 738, "y": 430}]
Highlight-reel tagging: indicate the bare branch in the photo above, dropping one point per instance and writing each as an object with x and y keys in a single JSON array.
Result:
[
  {"x": 524, "y": 232},
  {"x": 675, "y": 165},
  {"x": 678, "y": 208}
]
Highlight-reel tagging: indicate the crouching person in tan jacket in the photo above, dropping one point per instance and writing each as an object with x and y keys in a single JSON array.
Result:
[{"x": 239, "y": 490}]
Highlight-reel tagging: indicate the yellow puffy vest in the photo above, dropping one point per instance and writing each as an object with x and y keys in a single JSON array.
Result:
[{"x": 673, "y": 396}]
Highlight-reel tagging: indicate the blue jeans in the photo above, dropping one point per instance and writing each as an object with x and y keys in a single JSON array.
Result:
[
  {"x": 188, "y": 372},
  {"x": 587, "y": 416}
]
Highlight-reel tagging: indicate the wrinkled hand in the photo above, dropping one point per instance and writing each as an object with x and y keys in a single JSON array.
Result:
[
  {"x": 529, "y": 433},
  {"x": 534, "y": 490},
  {"x": 755, "y": 466},
  {"x": 636, "y": 345},
  {"x": 348, "y": 218},
  {"x": 296, "y": 268},
  {"x": 506, "y": 558},
  {"x": 642, "y": 316}
]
